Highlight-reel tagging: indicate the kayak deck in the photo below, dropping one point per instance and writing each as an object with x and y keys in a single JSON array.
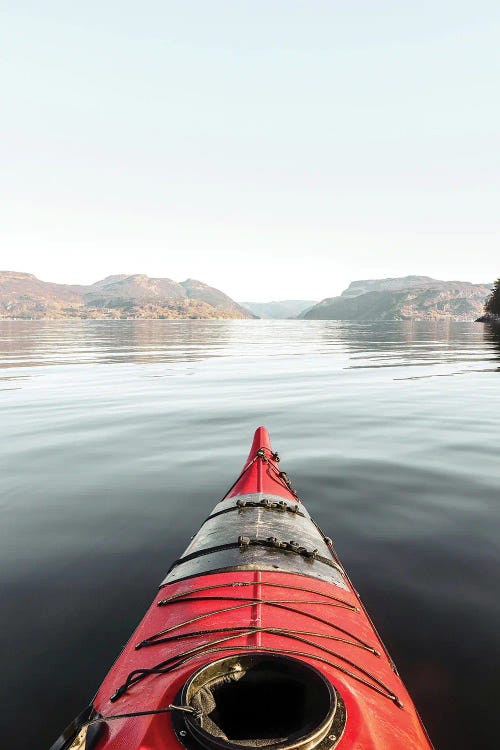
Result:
[
  {"x": 260, "y": 579},
  {"x": 232, "y": 612}
]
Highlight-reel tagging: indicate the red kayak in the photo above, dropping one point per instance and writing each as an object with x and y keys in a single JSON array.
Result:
[{"x": 256, "y": 638}]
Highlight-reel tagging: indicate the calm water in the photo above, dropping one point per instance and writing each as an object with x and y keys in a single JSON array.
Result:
[{"x": 118, "y": 437}]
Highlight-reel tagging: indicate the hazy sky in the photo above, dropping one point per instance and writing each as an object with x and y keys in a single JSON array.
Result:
[{"x": 272, "y": 148}]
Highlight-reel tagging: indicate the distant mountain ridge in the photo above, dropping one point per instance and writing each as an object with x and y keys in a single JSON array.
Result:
[
  {"x": 23, "y": 295},
  {"x": 396, "y": 284},
  {"x": 404, "y": 298},
  {"x": 279, "y": 309}
]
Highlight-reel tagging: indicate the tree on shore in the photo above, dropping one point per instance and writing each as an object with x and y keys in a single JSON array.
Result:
[{"x": 492, "y": 305}]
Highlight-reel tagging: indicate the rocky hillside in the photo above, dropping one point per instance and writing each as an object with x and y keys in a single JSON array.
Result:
[
  {"x": 22, "y": 295},
  {"x": 200, "y": 291},
  {"x": 492, "y": 307},
  {"x": 287, "y": 308},
  {"x": 407, "y": 298},
  {"x": 356, "y": 288}
]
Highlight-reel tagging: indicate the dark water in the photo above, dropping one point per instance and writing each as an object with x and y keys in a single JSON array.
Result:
[{"x": 118, "y": 437}]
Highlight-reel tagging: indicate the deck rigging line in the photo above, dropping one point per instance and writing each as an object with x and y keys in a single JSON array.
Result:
[
  {"x": 271, "y": 543},
  {"x": 250, "y": 601},
  {"x": 153, "y": 641},
  {"x": 233, "y": 633},
  {"x": 239, "y": 584}
]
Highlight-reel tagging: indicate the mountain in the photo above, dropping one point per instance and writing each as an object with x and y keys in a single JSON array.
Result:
[
  {"x": 141, "y": 288},
  {"x": 14, "y": 284},
  {"x": 287, "y": 308},
  {"x": 356, "y": 288},
  {"x": 406, "y": 298},
  {"x": 22, "y": 295},
  {"x": 197, "y": 290},
  {"x": 138, "y": 286}
]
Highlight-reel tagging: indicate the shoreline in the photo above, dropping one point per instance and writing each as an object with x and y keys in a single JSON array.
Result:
[{"x": 493, "y": 320}]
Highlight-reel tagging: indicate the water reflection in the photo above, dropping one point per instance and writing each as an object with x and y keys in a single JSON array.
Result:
[
  {"x": 366, "y": 345},
  {"x": 38, "y": 343},
  {"x": 415, "y": 343},
  {"x": 491, "y": 334}
]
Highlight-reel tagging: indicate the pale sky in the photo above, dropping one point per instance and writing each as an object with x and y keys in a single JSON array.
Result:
[{"x": 272, "y": 148}]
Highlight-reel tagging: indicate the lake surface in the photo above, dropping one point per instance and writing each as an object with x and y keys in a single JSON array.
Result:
[{"x": 118, "y": 437}]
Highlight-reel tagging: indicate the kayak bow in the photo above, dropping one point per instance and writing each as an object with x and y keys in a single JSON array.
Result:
[{"x": 256, "y": 638}]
